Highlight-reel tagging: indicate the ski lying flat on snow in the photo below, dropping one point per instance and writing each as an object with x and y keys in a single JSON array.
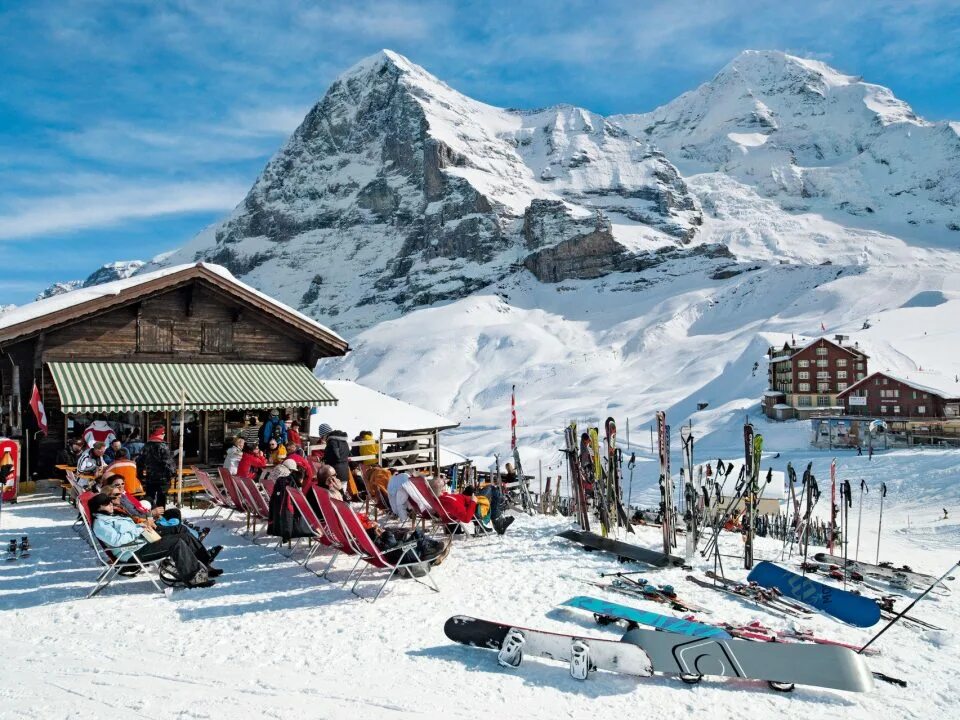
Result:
[
  {"x": 826, "y": 666},
  {"x": 769, "y": 595},
  {"x": 640, "y": 591},
  {"x": 614, "y": 611},
  {"x": 841, "y": 604},
  {"x": 604, "y": 654},
  {"x": 880, "y": 571},
  {"x": 621, "y": 549},
  {"x": 742, "y": 594}
]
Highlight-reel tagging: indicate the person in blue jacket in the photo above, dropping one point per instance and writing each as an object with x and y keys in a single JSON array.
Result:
[
  {"x": 191, "y": 558},
  {"x": 273, "y": 429}
]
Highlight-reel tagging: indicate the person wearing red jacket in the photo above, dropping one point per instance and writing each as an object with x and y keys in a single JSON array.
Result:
[
  {"x": 309, "y": 474},
  {"x": 251, "y": 461}
]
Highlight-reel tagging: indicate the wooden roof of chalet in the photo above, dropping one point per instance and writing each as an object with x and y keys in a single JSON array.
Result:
[{"x": 43, "y": 315}]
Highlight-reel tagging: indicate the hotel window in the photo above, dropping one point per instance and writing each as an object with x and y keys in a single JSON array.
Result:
[
  {"x": 823, "y": 363},
  {"x": 803, "y": 375},
  {"x": 823, "y": 387},
  {"x": 896, "y": 409},
  {"x": 804, "y": 401},
  {"x": 803, "y": 363},
  {"x": 859, "y": 376},
  {"x": 822, "y": 351},
  {"x": 883, "y": 409},
  {"x": 921, "y": 409},
  {"x": 804, "y": 387},
  {"x": 841, "y": 387},
  {"x": 824, "y": 375},
  {"x": 841, "y": 362},
  {"x": 841, "y": 374}
]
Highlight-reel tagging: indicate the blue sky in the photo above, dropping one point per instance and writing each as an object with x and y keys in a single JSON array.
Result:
[{"x": 129, "y": 126}]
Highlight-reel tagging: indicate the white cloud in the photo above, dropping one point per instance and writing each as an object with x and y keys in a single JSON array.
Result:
[{"x": 115, "y": 203}]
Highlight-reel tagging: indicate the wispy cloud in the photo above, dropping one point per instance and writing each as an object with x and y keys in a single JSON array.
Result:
[{"x": 113, "y": 205}]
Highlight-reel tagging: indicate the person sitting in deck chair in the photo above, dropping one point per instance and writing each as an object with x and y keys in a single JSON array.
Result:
[
  {"x": 234, "y": 455},
  {"x": 252, "y": 461},
  {"x": 490, "y": 503},
  {"x": 191, "y": 560},
  {"x": 126, "y": 468},
  {"x": 167, "y": 521},
  {"x": 276, "y": 453}
]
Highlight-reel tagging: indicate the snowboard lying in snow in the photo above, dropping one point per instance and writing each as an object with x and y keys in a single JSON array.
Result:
[
  {"x": 621, "y": 549},
  {"x": 880, "y": 571},
  {"x": 780, "y": 664},
  {"x": 513, "y": 643},
  {"x": 847, "y": 606},
  {"x": 608, "y": 611}
]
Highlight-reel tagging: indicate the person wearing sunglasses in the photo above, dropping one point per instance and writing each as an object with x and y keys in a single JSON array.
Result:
[{"x": 193, "y": 562}]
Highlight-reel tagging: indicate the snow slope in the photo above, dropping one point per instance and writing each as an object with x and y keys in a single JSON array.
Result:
[{"x": 273, "y": 640}]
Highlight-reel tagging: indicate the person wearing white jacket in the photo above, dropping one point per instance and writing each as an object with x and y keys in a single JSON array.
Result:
[{"x": 232, "y": 461}]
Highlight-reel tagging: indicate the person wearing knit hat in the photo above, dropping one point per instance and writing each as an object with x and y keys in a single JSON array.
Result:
[{"x": 155, "y": 467}]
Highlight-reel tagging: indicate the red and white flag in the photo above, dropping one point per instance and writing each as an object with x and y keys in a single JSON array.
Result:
[
  {"x": 36, "y": 404},
  {"x": 513, "y": 418}
]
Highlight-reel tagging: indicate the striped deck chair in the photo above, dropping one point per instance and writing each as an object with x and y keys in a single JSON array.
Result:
[{"x": 255, "y": 504}]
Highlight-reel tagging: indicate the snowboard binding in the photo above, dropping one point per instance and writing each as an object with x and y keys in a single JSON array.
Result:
[
  {"x": 580, "y": 662},
  {"x": 511, "y": 651}
]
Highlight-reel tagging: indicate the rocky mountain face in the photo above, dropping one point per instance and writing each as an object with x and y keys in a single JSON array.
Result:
[
  {"x": 119, "y": 270},
  {"x": 397, "y": 192}
]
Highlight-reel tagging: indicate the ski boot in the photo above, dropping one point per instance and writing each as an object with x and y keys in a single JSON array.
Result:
[
  {"x": 511, "y": 651},
  {"x": 24, "y": 546},
  {"x": 12, "y": 551},
  {"x": 580, "y": 662}
]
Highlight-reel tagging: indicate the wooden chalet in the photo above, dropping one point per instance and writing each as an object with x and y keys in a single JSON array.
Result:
[{"x": 133, "y": 352}]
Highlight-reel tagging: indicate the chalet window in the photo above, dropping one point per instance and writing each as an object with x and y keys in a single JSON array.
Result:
[
  {"x": 804, "y": 401},
  {"x": 896, "y": 393},
  {"x": 804, "y": 387},
  {"x": 803, "y": 363},
  {"x": 823, "y": 401},
  {"x": 822, "y": 351},
  {"x": 914, "y": 394},
  {"x": 216, "y": 337},
  {"x": 823, "y": 387},
  {"x": 823, "y": 363},
  {"x": 803, "y": 375},
  {"x": 823, "y": 375},
  {"x": 841, "y": 374},
  {"x": 921, "y": 409},
  {"x": 859, "y": 376},
  {"x": 841, "y": 362},
  {"x": 841, "y": 387},
  {"x": 884, "y": 408},
  {"x": 896, "y": 409},
  {"x": 154, "y": 335}
]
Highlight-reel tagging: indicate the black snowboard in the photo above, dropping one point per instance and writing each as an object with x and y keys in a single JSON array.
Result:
[{"x": 621, "y": 549}]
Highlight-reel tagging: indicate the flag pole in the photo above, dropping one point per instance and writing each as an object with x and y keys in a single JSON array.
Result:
[{"x": 183, "y": 412}]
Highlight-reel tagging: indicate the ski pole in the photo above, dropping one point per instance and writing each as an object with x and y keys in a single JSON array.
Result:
[
  {"x": 845, "y": 538},
  {"x": 908, "y": 608},
  {"x": 863, "y": 489},
  {"x": 631, "y": 465},
  {"x": 883, "y": 494}
]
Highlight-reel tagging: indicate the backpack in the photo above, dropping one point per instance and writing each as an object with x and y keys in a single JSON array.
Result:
[{"x": 284, "y": 522}]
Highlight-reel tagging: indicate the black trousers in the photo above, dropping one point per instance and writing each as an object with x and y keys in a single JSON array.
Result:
[
  {"x": 156, "y": 493},
  {"x": 186, "y": 552}
]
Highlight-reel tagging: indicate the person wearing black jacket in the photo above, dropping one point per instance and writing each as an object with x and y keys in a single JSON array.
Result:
[
  {"x": 155, "y": 467},
  {"x": 336, "y": 455}
]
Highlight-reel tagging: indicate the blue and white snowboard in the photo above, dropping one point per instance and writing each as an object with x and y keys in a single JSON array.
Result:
[
  {"x": 616, "y": 611},
  {"x": 841, "y": 604}
]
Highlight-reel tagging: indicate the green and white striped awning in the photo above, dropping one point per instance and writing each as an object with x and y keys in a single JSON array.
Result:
[{"x": 133, "y": 386}]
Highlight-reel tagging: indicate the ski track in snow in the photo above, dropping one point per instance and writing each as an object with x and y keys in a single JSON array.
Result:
[{"x": 270, "y": 640}]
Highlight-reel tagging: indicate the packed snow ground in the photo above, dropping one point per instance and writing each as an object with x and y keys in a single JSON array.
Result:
[{"x": 273, "y": 640}]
